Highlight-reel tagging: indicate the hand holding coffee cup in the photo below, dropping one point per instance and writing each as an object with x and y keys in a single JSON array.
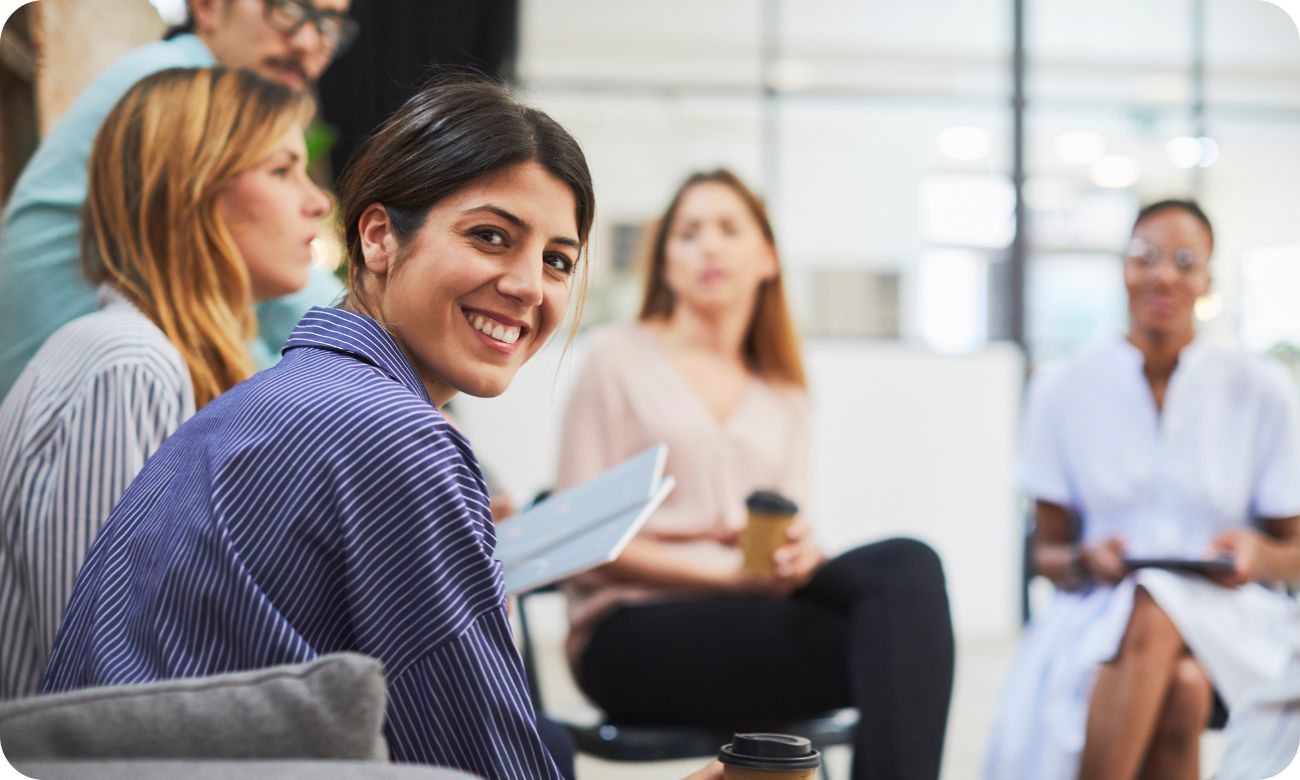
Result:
[
  {"x": 768, "y": 529},
  {"x": 769, "y": 757}
]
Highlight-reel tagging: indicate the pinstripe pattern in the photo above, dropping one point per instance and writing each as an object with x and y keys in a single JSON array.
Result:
[
  {"x": 98, "y": 399},
  {"x": 323, "y": 505}
]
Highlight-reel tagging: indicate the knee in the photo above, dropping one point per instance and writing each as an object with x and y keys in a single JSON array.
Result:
[
  {"x": 913, "y": 560},
  {"x": 1187, "y": 706},
  {"x": 1150, "y": 632}
]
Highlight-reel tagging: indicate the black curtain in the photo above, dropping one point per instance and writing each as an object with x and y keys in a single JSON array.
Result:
[{"x": 401, "y": 43}]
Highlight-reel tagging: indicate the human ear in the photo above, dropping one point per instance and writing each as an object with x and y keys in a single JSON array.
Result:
[
  {"x": 771, "y": 264},
  {"x": 378, "y": 239},
  {"x": 203, "y": 13}
]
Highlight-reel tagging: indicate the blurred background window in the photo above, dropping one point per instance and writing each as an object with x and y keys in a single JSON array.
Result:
[{"x": 882, "y": 137}]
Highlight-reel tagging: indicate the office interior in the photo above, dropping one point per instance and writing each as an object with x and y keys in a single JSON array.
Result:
[{"x": 952, "y": 183}]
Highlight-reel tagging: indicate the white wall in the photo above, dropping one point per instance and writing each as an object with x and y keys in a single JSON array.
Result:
[{"x": 904, "y": 442}]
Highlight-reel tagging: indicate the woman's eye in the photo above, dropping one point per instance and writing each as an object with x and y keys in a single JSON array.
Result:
[
  {"x": 490, "y": 236},
  {"x": 282, "y": 171},
  {"x": 561, "y": 263}
]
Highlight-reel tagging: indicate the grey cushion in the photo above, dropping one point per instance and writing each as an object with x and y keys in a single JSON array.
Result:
[
  {"x": 332, "y": 707},
  {"x": 233, "y": 770}
]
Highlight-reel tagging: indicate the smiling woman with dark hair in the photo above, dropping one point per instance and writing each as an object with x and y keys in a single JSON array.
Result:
[{"x": 325, "y": 504}]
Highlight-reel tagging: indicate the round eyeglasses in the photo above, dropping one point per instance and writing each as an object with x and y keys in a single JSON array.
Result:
[{"x": 1146, "y": 256}]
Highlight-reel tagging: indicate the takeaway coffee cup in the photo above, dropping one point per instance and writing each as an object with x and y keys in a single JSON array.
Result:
[
  {"x": 769, "y": 757},
  {"x": 770, "y": 516}
]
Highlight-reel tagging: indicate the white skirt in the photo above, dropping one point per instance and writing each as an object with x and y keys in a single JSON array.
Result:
[{"x": 1245, "y": 639}]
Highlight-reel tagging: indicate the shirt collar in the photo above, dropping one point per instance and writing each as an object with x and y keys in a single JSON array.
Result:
[
  {"x": 108, "y": 296},
  {"x": 357, "y": 335},
  {"x": 1134, "y": 359},
  {"x": 197, "y": 51}
]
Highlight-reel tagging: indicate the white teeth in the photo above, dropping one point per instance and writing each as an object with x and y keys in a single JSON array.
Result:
[{"x": 494, "y": 329}]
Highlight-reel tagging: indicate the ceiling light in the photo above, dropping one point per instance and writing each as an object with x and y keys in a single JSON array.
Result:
[
  {"x": 1209, "y": 151},
  {"x": 1184, "y": 151},
  {"x": 1079, "y": 147},
  {"x": 1114, "y": 171}
]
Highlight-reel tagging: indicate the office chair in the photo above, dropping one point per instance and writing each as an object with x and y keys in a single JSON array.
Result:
[{"x": 616, "y": 742}]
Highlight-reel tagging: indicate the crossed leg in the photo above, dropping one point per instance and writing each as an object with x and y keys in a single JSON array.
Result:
[{"x": 1149, "y": 705}]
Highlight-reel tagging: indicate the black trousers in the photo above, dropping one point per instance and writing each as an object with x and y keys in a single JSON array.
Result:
[{"x": 870, "y": 630}]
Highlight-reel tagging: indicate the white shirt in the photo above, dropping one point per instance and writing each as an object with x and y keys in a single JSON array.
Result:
[
  {"x": 1225, "y": 449},
  {"x": 1223, "y": 452},
  {"x": 94, "y": 403}
]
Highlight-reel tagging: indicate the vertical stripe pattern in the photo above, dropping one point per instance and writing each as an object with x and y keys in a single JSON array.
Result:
[
  {"x": 323, "y": 505},
  {"x": 96, "y": 401}
]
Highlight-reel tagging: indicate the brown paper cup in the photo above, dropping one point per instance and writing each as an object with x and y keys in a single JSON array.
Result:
[
  {"x": 763, "y": 535},
  {"x": 769, "y": 757}
]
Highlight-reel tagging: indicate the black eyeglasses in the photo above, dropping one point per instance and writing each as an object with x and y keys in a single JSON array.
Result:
[{"x": 335, "y": 29}]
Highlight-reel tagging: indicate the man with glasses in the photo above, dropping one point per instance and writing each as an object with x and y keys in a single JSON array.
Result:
[
  {"x": 290, "y": 41},
  {"x": 41, "y": 283}
]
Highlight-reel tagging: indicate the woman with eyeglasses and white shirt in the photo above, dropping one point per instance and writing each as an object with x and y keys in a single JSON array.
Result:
[{"x": 1157, "y": 444}]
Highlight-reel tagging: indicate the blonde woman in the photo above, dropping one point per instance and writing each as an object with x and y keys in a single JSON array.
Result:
[
  {"x": 199, "y": 205},
  {"x": 714, "y": 369}
]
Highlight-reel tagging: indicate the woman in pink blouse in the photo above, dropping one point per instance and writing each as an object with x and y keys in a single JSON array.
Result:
[{"x": 713, "y": 368}]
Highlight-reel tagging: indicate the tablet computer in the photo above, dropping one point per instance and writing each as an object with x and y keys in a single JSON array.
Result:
[
  {"x": 618, "y": 489},
  {"x": 1221, "y": 565},
  {"x": 592, "y": 546}
]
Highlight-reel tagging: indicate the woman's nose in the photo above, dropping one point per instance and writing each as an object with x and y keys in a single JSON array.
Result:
[
  {"x": 710, "y": 242},
  {"x": 522, "y": 280},
  {"x": 318, "y": 203}
]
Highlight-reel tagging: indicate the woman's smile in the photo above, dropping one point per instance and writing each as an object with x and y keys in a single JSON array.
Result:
[{"x": 498, "y": 332}]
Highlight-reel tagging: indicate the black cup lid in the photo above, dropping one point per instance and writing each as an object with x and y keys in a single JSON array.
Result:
[
  {"x": 770, "y": 502},
  {"x": 770, "y": 752}
]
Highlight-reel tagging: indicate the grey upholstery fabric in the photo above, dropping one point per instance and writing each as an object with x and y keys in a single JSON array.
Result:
[
  {"x": 233, "y": 770},
  {"x": 329, "y": 708}
]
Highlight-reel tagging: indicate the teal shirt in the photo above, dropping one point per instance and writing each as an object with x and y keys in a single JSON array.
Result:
[{"x": 41, "y": 282}]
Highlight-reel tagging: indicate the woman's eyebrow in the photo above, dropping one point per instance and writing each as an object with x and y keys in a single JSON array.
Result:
[
  {"x": 513, "y": 219},
  {"x": 519, "y": 222},
  {"x": 282, "y": 153}
]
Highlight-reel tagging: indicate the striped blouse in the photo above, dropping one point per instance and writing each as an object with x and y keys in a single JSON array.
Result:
[
  {"x": 94, "y": 403},
  {"x": 323, "y": 505}
]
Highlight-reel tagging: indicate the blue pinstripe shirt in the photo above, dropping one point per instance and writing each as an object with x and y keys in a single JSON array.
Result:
[{"x": 322, "y": 505}]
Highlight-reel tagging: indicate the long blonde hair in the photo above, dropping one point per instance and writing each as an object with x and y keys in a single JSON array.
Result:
[
  {"x": 151, "y": 226},
  {"x": 771, "y": 346}
]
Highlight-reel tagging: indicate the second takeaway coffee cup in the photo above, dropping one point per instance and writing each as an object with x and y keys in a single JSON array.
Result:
[
  {"x": 769, "y": 757},
  {"x": 770, "y": 517}
]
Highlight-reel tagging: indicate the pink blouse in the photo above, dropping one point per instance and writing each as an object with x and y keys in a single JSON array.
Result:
[{"x": 629, "y": 396}]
